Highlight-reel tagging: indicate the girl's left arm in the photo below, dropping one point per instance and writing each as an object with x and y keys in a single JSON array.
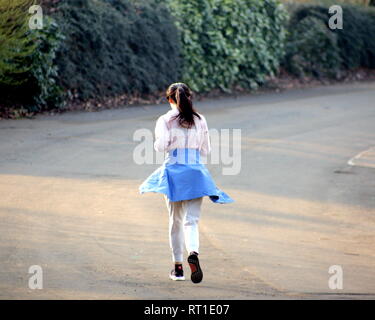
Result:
[{"x": 206, "y": 144}]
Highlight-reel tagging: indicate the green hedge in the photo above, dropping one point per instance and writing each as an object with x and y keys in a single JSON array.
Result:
[
  {"x": 227, "y": 43},
  {"x": 313, "y": 48},
  {"x": 116, "y": 47}
]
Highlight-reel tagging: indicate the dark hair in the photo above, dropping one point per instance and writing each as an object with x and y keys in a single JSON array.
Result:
[{"x": 181, "y": 95}]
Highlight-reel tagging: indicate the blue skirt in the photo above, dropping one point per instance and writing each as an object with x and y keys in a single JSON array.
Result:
[{"x": 183, "y": 177}]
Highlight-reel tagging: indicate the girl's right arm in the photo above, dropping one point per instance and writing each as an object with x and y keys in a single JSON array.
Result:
[{"x": 161, "y": 135}]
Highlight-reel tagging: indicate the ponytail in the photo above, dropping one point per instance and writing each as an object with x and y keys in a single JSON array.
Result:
[{"x": 181, "y": 95}]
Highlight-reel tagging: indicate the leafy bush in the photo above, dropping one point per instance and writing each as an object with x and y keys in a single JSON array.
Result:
[
  {"x": 227, "y": 43},
  {"x": 357, "y": 40},
  {"x": 116, "y": 47},
  {"x": 17, "y": 42},
  {"x": 44, "y": 71},
  {"x": 347, "y": 48},
  {"x": 27, "y": 59},
  {"x": 312, "y": 49}
]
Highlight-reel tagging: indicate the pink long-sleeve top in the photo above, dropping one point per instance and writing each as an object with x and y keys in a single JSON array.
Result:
[{"x": 170, "y": 135}]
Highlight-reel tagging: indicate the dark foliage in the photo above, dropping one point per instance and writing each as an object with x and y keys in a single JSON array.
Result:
[
  {"x": 116, "y": 47},
  {"x": 355, "y": 43}
]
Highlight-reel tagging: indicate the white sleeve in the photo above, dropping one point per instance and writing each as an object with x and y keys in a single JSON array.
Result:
[
  {"x": 206, "y": 145},
  {"x": 161, "y": 135}
]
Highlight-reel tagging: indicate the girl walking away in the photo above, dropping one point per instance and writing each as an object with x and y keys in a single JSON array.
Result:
[{"x": 183, "y": 178}]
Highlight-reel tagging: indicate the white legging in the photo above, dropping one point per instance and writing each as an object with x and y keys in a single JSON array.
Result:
[{"x": 183, "y": 226}]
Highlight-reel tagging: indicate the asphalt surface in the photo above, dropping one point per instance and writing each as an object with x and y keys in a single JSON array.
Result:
[{"x": 304, "y": 201}]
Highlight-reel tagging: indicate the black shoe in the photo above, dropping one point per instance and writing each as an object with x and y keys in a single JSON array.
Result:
[
  {"x": 196, "y": 271},
  {"x": 178, "y": 273}
]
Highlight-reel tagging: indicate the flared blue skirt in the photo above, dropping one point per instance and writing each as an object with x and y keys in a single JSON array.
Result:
[{"x": 183, "y": 177}]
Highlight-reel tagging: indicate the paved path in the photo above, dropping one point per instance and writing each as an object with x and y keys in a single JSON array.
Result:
[{"x": 69, "y": 203}]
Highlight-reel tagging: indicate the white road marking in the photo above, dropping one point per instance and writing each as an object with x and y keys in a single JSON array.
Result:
[{"x": 368, "y": 157}]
